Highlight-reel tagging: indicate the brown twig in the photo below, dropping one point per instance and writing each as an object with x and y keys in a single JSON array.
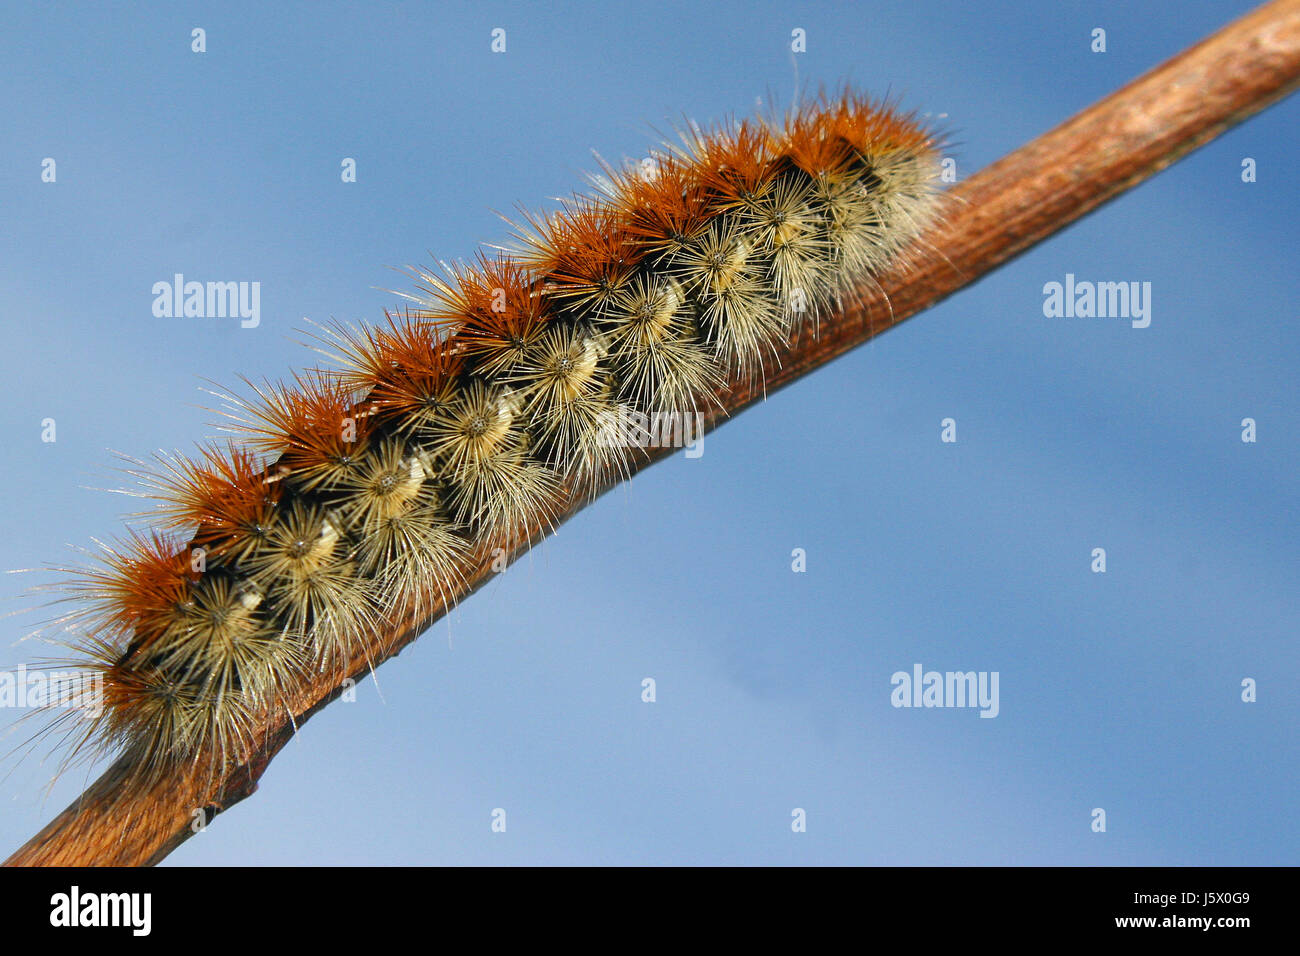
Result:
[{"x": 998, "y": 213}]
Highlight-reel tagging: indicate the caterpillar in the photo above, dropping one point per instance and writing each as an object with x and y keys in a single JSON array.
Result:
[{"x": 351, "y": 495}]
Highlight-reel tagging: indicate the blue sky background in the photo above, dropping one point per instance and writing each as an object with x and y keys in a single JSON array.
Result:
[{"x": 1119, "y": 691}]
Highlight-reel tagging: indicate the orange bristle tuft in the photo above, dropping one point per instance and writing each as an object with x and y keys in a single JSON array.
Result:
[
  {"x": 492, "y": 307},
  {"x": 316, "y": 424},
  {"x": 584, "y": 254}
]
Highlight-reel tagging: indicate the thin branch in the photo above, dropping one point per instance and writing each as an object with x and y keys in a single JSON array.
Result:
[{"x": 992, "y": 217}]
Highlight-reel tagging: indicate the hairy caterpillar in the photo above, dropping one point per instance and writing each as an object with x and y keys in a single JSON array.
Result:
[{"x": 355, "y": 495}]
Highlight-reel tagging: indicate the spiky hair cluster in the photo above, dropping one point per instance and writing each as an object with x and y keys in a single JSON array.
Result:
[{"x": 355, "y": 495}]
